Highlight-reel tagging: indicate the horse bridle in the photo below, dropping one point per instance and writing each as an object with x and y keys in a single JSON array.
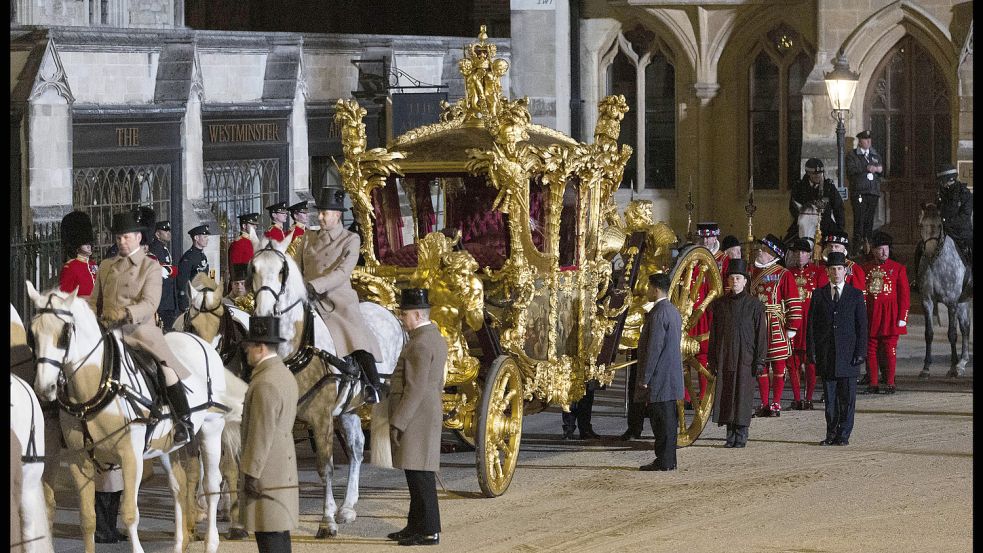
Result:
[
  {"x": 64, "y": 343},
  {"x": 938, "y": 239},
  {"x": 188, "y": 318},
  {"x": 284, "y": 273}
]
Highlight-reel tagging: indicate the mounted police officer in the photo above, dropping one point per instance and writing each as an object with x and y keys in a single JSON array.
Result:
[
  {"x": 955, "y": 203},
  {"x": 126, "y": 295},
  {"x": 192, "y": 262},
  {"x": 168, "y": 309},
  {"x": 327, "y": 258},
  {"x": 814, "y": 188}
]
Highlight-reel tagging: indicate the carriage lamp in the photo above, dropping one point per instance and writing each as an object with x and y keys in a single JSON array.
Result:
[{"x": 841, "y": 84}]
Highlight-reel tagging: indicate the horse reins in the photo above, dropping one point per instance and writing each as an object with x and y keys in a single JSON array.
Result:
[
  {"x": 31, "y": 446},
  {"x": 284, "y": 273}
]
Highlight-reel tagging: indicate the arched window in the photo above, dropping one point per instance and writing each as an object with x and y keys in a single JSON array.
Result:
[
  {"x": 660, "y": 123},
  {"x": 621, "y": 80},
  {"x": 778, "y": 70}
]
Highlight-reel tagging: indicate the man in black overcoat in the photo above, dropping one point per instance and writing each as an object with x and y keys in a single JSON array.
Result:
[
  {"x": 836, "y": 342},
  {"x": 736, "y": 355},
  {"x": 660, "y": 382}
]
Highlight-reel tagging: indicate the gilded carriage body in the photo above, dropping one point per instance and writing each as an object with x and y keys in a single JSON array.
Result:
[{"x": 512, "y": 228}]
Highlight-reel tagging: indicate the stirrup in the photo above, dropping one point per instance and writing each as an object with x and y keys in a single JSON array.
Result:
[
  {"x": 181, "y": 433},
  {"x": 371, "y": 394}
]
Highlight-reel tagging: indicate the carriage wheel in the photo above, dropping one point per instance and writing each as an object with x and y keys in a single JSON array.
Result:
[
  {"x": 466, "y": 440},
  {"x": 499, "y": 426},
  {"x": 694, "y": 267}
]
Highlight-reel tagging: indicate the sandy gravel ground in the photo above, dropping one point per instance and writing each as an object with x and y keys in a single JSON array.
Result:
[{"x": 903, "y": 484}]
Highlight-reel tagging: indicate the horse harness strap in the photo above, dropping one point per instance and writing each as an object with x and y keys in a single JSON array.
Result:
[
  {"x": 31, "y": 445},
  {"x": 306, "y": 353}
]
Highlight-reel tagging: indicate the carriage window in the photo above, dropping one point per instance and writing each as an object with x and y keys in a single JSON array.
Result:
[
  {"x": 569, "y": 219},
  {"x": 484, "y": 232},
  {"x": 537, "y": 214}
]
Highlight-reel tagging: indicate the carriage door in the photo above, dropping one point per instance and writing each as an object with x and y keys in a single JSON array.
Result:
[{"x": 908, "y": 111}]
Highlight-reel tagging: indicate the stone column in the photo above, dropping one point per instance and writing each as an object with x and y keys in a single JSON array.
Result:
[
  {"x": 541, "y": 60},
  {"x": 300, "y": 160},
  {"x": 49, "y": 140}
]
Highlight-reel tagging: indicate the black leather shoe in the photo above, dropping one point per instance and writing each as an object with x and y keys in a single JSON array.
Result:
[
  {"x": 590, "y": 435},
  {"x": 421, "y": 539},
  {"x": 841, "y": 441},
  {"x": 399, "y": 535},
  {"x": 628, "y": 435},
  {"x": 654, "y": 466},
  {"x": 568, "y": 435},
  {"x": 807, "y": 406},
  {"x": 741, "y": 444},
  {"x": 827, "y": 441},
  {"x": 873, "y": 390},
  {"x": 890, "y": 390}
]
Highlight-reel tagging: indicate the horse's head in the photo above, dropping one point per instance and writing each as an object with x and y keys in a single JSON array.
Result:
[
  {"x": 56, "y": 335},
  {"x": 205, "y": 311},
  {"x": 810, "y": 213},
  {"x": 930, "y": 227},
  {"x": 274, "y": 277}
]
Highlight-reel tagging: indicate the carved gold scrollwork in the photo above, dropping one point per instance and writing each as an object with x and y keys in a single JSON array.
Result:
[
  {"x": 362, "y": 170},
  {"x": 375, "y": 288}
]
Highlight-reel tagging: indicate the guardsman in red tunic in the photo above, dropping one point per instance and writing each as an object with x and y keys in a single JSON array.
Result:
[
  {"x": 838, "y": 242},
  {"x": 299, "y": 213},
  {"x": 707, "y": 234},
  {"x": 77, "y": 238},
  {"x": 775, "y": 287},
  {"x": 808, "y": 277},
  {"x": 888, "y": 300},
  {"x": 278, "y": 214},
  {"x": 241, "y": 250}
]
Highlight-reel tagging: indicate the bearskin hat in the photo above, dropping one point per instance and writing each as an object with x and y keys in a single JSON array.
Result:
[{"x": 76, "y": 230}]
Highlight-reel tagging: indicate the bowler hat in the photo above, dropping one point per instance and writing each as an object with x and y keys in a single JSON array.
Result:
[
  {"x": 76, "y": 229},
  {"x": 265, "y": 330},
  {"x": 163, "y": 225},
  {"x": 126, "y": 222},
  {"x": 414, "y": 298},
  {"x": 772, "y": 242},
  {"x": 863, "y": 134},
  {"x": 200, "y": 229},
  {"x": 331, "y": 199},
  {"x": 836, "y": 258},
  {"x": 881, "y": 238},
  {"x": 279, "y": 206},
  {"x": 249, "y": 219},
  {"x": 239, "y": 271},
  {"x": 707, "y": 229},
  {"x": 737, "y": 267},
  {"x": 729, "y": 242}
]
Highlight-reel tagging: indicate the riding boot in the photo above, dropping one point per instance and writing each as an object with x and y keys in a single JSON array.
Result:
[
  {"x": 180, "y": 412},
  {"x": 114, "y": 514},
  {"x": 106, "y": 517},
  {"x": 367, "y": 362}
]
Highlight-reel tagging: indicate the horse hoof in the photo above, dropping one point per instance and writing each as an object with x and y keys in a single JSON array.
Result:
[
  {"x": 236, "y": 534},
  {"x": 346, "y": 515},
  {"x": 923, "y": 374},
  {"x": 325, "y": 533}
]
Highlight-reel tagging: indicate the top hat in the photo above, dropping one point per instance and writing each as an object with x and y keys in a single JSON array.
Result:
[
  {"x": 946, "y": 171},
  {"x": 800, "y": 245},
  {"x": 249, "y": 219},
  {"x": 880, "y": 238},
  {"x": 836, "y": 258},
  {"x": 126, "y": 222},
  {"x": 707, "y": 229},
  {"x": 162, "y": 225},
  {"x": 729, "y": 242},
  {"x": 76, "y": 229},
  {"x": 414, "y": 298},
  {"x": 265, "y": 330},
  {"x": 837, "y": 237},
  {"x": 772, "y": 242},
  {"x": 200, "y": 229},
  {"x": 239, "y": 271},
  {"x": 332, "y": 199},
  {"x": 863, "y": 134},
  {"x": 300, "y": 206},
  {"x": 737, "y": 267},
  {"x": 277, "y": 207},
  {"x": 814, "y": 165}
]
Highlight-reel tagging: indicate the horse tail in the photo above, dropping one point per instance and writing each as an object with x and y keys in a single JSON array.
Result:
[{"x": 382, "y": 455}]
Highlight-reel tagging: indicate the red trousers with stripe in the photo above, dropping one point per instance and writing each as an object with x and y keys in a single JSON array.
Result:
[
  {"x": 887, "y": 347},
  {"x": 777, "y": 381},
  {"x": 795, "y": 363}
]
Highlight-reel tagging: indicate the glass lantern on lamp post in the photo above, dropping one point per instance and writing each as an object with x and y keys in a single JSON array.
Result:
[{"x": 841, "y": 84}]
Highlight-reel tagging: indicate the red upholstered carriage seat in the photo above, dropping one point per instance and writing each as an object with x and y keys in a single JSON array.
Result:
[{"x": 487, "y": 254}]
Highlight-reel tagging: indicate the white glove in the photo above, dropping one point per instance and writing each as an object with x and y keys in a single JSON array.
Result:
[
  {"x": 791, "y": 334},
  {"x": 164, "y": 273},
  {"x": 902, "y": 323}
]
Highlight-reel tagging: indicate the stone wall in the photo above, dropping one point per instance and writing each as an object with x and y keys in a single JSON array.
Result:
[
  {"x": 111, "y": 77},
  {"x": 232, "y": 77}
]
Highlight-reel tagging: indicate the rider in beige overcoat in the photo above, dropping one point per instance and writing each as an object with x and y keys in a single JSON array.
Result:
[
  {"x": 327, "y": 258},
  {"x": 126, "y": 295}
]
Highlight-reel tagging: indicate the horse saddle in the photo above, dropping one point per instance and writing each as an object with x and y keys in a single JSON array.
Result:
[{"x": 147, "y": 365}]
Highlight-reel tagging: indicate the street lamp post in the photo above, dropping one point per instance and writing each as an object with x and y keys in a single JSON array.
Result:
[{"x": 841, "y": 84}]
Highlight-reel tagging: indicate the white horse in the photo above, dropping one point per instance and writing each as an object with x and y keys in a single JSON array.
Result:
[
  {"x": 27, "y": 422},
  {"x": 207, "y": 318},
  {"x": 943, "y": 278},
  {"x": 109, "y": 425},
  {"x": 280, "y": 290}
]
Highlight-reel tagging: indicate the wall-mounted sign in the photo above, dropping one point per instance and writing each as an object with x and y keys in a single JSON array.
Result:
[
  {"x": 226, "y": 132},
  {"x": 414, "y": 110}
]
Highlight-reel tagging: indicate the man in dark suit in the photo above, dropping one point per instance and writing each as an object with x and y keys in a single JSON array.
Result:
[
  {"x": 864, "y": 170},
  {"x": 661, "y": 383},
  {"x": 836, "y": 342}
]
